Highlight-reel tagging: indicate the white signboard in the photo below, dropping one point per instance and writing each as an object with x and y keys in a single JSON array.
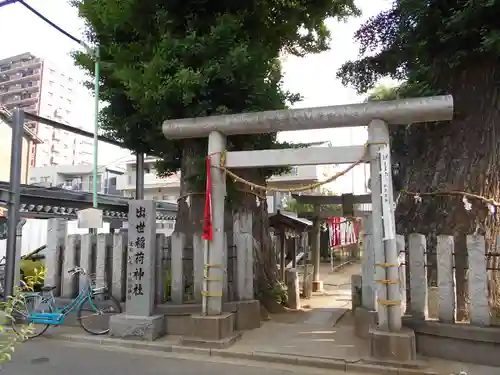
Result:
[
  {"x": 386, "y": 189},
  {"x": 90, "y": 218}
]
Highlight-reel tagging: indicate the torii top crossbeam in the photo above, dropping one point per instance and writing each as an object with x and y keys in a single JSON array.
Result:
[{"x": 405, "y": 111}]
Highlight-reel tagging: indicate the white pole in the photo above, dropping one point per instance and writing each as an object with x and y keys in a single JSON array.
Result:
[
  {"x": 390, "y": 245},
  {"x": 376, "y": 134}
]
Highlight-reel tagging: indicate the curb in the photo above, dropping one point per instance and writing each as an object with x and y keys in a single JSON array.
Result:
[{"x": 360, "y": 366}]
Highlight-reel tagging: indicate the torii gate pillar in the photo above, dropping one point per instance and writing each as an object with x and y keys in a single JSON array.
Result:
[
  {"x": 215, "y": 256},
  {"x": 316, "y": 249}
]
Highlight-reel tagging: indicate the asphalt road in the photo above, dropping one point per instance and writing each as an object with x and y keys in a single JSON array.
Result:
[{"x": 52, "y": 357}]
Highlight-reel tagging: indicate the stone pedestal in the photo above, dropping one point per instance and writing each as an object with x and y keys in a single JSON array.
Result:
[
  {"x": 364, "y": 321},
  {"x": 213, "y": 331},
  {"x": 307, "y": 285},
  {"x": 137, "y": 327},
  {"x": 292, "y": 284},
  {"x": 356, "y": 287},
  {"x": 317, "y": 285},
  {"x": 394, "y": 346},
  {"x": 247, "y": 315}
]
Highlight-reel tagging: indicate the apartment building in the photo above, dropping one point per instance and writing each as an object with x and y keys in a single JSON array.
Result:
[
  {"x": 77, "y": 178},
  {"x": 37, "y": 86},
  {"x": 155, "y": 188},
  {"x": 5, "y": 147}
]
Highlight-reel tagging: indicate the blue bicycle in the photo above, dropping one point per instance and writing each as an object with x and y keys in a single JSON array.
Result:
[{"x": 40, "y": 310}]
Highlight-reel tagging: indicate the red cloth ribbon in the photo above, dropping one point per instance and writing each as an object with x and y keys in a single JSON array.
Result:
[{"x": 207, "y": 217}]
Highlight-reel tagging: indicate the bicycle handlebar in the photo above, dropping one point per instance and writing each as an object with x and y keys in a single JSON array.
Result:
[{"x": 76, "y": 270}]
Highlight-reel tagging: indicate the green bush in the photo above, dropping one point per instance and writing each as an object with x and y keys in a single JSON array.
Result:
[{"x": 8, "y": 338}]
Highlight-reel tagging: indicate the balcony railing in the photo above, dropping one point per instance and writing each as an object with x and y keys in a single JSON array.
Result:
[
  {"x": 127, "y": 181},
  {"x": 25, "y": 101},
  {"x": 35, "y": 63},
  {"x": 12, "y": 81},
  {"x": 16, "y": 90}
]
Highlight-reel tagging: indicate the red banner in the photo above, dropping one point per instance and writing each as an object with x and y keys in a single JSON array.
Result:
[
  {"x": 343, "y": 232},
  {"x": 207, "y": 217}
]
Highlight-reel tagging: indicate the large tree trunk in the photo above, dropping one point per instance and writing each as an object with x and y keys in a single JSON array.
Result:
[
  {"x": 461, "y": 155},
  {"x": 190, "y": 216},
  {"x": 266, "y": 276},
  {"x": 190, "y": 209}
]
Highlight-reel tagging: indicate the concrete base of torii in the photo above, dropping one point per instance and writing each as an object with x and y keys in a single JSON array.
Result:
[
  {"x": 212, "y": 331},
  {"x": 393, "y": 346},
  {"x": 384, "y": 345}
]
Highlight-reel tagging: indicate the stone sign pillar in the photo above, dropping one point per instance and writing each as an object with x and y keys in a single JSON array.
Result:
[
  {"x": 138, "y": 319},
  {"x": 388, "y": 340}
]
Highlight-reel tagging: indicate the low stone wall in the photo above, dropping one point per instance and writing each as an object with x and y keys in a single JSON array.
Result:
[
  {"x": 178, "y": 317},
  {"x": 457, "y": 342}
]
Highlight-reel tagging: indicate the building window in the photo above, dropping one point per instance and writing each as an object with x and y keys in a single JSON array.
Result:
[
  {"x": 51, "y": 83},
  {"x": 99, "y": 182},
  {"x": 52, "y": 71},
  {"x": 294, "y": 171},
  {"x": 50, "y": 95}
]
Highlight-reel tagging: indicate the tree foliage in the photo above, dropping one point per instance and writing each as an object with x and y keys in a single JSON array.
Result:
[
  {"x": 424, "y": 43},
  {"x": 177, "y": 59},
  {"x": 383, "y": 93},
  {"x": 433, "y": 46},
  {"x": 292, "y": 205}
]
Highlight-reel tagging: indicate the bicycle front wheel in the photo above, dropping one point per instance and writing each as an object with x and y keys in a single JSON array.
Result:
[
  {"x": 95, "y": 312},
  {"x": 20, "y": 316}
]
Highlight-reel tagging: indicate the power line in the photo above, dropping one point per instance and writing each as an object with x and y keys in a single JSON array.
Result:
[
  {"x": 71, "y": 129},
  {"x": 39, "y": 15},
  {"x": 7, "y": 2}
]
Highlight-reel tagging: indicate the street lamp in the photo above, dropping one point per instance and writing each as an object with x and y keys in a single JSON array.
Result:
[
  {"x": 15, "y": 163},
  {"x": 94, "y": 52},
  {"x": 96, "y": 125}
]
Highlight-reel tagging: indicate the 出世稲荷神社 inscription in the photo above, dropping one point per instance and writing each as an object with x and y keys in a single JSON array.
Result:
[{"x": 141, "y": 257}]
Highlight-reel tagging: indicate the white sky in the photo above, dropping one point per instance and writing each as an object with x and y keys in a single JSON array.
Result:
[{"x": 312, "y": 76}]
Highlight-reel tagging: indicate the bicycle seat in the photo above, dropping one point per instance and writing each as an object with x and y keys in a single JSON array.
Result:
[{"x": 47, "y": 288}]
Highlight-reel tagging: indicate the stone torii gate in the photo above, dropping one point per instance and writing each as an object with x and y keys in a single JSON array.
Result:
[
  {"x": 377, "y": 116},
  {"x": 346, "y": 201}
]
